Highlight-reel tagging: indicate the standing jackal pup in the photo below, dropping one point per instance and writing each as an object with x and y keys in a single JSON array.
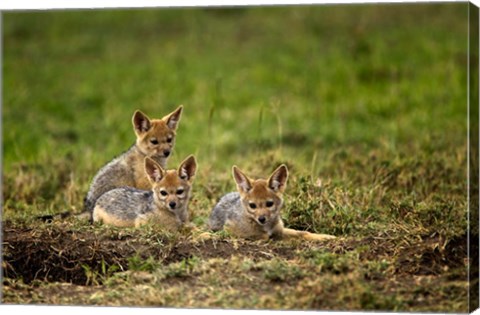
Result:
[
  {"x": 254, "y": 211},
  {"x": 155, "y": 139},
  {"x": 166, "y": 204}
]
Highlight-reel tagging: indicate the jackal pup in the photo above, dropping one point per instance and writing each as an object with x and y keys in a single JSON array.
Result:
[
  {"x": 166, "y": 204},
  {"x": 155, "y": 139},
  {"x": 254, "y": 211}
]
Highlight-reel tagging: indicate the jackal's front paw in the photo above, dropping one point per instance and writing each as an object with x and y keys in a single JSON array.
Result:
[
  {"x": 204, "y": 236},
  {"x": 320, "y": 237},
  {"x": 189, "y": 228}
]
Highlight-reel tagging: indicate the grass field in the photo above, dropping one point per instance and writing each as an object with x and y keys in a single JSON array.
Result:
[{"x": 366, "y": 104}]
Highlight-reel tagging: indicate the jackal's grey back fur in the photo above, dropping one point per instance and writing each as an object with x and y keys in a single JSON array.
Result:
[
  {"x": 127, "y": 203},
  {"x": 107, "y": 179},
  {"x": 117, "y": 173},
  {"x": 228, "y": 207}
]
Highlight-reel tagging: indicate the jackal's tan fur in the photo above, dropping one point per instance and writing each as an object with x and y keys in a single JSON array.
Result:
[
  {"x": 254, "y": 211},
  {"x": 166, "y": 204},
  {"x": 155, "y": 138}
]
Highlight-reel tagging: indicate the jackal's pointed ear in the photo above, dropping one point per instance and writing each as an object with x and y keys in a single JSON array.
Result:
[
  {"x": 173, "y": 118},
  {"x": 141, "y": 122},
  {"x": 188, "y": 168},
  {"x": 278, "y": 179},
  {"x": 154, "y": 171},
  {"x": 243, "y": 182}
]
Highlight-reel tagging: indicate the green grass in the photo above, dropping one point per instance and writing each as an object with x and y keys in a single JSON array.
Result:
[{"x": 366, "y": 104}]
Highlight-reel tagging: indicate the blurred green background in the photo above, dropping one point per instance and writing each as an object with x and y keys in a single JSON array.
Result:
[{"x": 323, "y": 88}]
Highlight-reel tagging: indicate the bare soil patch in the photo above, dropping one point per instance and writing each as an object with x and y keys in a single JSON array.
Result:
[{"x": 59, "y": 254}]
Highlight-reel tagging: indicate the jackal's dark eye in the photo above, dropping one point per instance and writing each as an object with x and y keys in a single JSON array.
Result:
[
  {"x": 179, "y": 191},
  {"x": 163, "y": 193},
  {"x": 169, "y": 140},
  {"x": 269, "y": 204},
  {"x": 252, "y": 205},
  {"x": 153, "y": 141}
]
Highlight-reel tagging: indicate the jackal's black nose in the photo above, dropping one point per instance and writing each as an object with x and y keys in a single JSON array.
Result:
[
  {"x": 262, "y": 219},
  {"x": 166, "y": 153},
  {"x": 172, "y": 204}
]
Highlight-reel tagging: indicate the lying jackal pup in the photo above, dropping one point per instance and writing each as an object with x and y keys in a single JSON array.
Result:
[
  {"x": 166, "y": 204},
  {"x": 155, "y": 139},
  {"x": 254, "y": 211}
]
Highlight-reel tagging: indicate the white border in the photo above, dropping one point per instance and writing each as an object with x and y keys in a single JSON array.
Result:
[{"x": 85, "y": 4}]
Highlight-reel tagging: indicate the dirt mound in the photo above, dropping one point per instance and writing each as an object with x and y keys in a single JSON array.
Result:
[
  {"x": 433, "y": 257},
  {"x": 59, "y": 254}
]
